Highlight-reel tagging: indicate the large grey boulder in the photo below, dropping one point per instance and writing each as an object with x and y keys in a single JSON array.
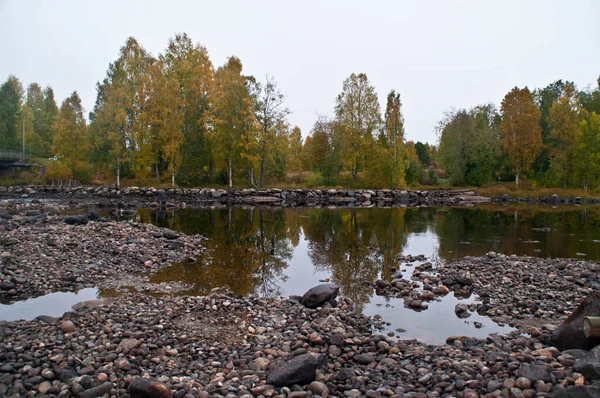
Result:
[
  {"x": 320, "y": 295},
  {"x": 300, "y": 370},
  {"x": 570, "y": 334}
]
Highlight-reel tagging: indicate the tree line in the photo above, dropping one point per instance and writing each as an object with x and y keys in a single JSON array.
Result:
[
  {"x": 177, "y": 118},
  {"x": 551, "y": 136}
]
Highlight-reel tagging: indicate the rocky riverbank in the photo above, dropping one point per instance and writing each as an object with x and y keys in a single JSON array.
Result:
[
  {"x": 148, "y": 196},
  {"x": 220, "y": 345},
  {"x": 40, "y": 253}
]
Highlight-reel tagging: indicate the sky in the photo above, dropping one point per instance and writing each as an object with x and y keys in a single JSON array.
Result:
[{"x": 438, "y": 55}]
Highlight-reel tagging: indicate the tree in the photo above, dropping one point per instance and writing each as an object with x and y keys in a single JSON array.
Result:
[
  {"x": 470, "y": 145},
  {"x": 587, "y": 162},
  {"x": 295, "y": 150},
  {"x": 564, "y": 120},
  {"x": 590, "y": 99},
  {"x": 233, "y": 117},
  {"x": 521, "y": 132},
  {"x": 190, "y": 67},
  {"x": 357, "y": 115},
  {"x": 116, "y": 115},
  {"x": 394, "y": 133},
  {"x": 70, "y": 141},
  {"x": 163, "y": 119},
  {"x": 270, "y": 112},
  {"x": 422, "y": 153},
  {"x": 11, "y": 123},
  {"x": 545, "y": 98},
  {"x": 43, "y": 115}
]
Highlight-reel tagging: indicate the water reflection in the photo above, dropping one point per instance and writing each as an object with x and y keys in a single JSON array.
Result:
[{"x": 258, "y": 249}]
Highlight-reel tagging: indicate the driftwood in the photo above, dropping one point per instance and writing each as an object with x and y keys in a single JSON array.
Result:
[{"x": 591, "y": 326}]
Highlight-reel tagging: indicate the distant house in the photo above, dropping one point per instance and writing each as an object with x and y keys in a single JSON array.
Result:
[{"x": 433, "y": 165}]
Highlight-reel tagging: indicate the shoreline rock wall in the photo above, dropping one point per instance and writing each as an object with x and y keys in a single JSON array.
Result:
[{"x": 272, "y": 196}]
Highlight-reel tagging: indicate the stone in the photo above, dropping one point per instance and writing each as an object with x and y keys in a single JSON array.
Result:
[
  {"x": 144, "y": 388},
  {"x": 523, "y": 383},
  {"x": 319, "y": 295},
  {"x": 94, "y": 214},
  {"x": 576, "y": 392},
  {"x": 170, "y": 235},
  {"x": 261, "y": 364},
  {"x": 76, "y": 220},
  {"x": 300, "y": 370},
  {"x": 67, "y": 327},
  {"x": 570, "y": 334},
  {"x": 65, "y": 374},
  {"x": 535, "y": 372},
  {"x": 99, "y": 391},
  {"x": 464, "y": 280},
  {"x": 5, "y": 216},
  {"x": 44, "y": 387},
  {"x": 589, "y": 367},
  {"x": 127, "y": 345},
  {"x": 318, "y": 388},
  {"x": 7, "y": 285},
  {"x": 364, "y": 359}
]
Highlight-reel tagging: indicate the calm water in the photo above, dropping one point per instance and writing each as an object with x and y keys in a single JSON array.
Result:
[
  {"x": 287, "y": 251},
  {"x": 276, "y": 252}
]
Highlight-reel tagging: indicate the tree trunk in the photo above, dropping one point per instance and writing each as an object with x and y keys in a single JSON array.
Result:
[
  {"x": 517, "y": 177},
  {"x": 157, "y": 173},
  {"x": 118, "y": 174},
  {"x": 172, "y": 174},
  {"x": 229, "y": 173},
  {"x": 262, "y": 171}
]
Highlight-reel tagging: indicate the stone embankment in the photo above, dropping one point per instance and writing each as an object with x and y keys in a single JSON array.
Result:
[{"x": 272, "y": 196}]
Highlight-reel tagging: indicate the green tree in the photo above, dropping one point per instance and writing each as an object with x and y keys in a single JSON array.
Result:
[
  {"x": 590, "y": 99},
  {"x": 295, "y": 150},
  {"x": 521, "y": 132},
  {"x": 357, "y": 115},
  {"x": 70, "y": 140},
  {"x": 394, "y": 134},
  {"x": 11, "y": 123},
  {"x": 587, "y": 147},
  {"x": 43, "y": 115},
  {"x": 564, "y": 120},
  {"x": 545, "y": 98},
  {"x": 470, "y": 145},
  {"x": 423, "y": 153}
]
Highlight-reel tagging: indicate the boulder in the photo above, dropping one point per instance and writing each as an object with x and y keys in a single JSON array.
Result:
[
  {"x": 570, "y": 334},
  {"x": 535, "y": 372},
  {"x": 76, "y": 220},
  {"x": 94, "y": 214},
  {"x": 144, "y": 388},
  {"x": 319, "y": 295},
  {"x": 589, "y": 367},
  {"x": 5, "y": 216},
  {"x": 576, "y": 392},
  {"x": 300, "y": 370},
  {"x": 99, "y": 391}
]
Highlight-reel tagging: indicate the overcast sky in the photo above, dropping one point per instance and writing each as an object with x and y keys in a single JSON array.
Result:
[{"x": 437, "y": 54}]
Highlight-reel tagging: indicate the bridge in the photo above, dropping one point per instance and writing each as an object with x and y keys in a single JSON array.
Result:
[{"x": 9, "y": 159}]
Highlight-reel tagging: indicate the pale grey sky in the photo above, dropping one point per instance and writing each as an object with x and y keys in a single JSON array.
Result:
[{"x": 437, "y": 54}]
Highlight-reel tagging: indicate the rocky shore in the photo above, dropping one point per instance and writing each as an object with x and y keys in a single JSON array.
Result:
[
  {"x": 40, "y": 253},
  {"x": 221, "y": 345},
  {"x": 146, "y": 196}
]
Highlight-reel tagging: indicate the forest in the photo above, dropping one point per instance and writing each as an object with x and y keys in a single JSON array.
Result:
[{"x": 178, "y": 120}]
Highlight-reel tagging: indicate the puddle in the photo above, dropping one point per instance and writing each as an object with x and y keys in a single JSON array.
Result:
[{"x": 52, "y": 304}]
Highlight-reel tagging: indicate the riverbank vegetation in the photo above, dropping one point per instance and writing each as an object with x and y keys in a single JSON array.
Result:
[{"x": 177, "y": 119}]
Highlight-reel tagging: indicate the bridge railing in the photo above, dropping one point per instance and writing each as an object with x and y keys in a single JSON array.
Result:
[{"x": 13, "y": 155}]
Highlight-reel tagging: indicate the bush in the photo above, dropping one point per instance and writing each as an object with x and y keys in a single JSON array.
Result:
[{"x": 58, "y": 170}]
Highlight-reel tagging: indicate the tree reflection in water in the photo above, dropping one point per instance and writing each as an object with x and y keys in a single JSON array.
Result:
[{"x": 250, "y": 249}]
